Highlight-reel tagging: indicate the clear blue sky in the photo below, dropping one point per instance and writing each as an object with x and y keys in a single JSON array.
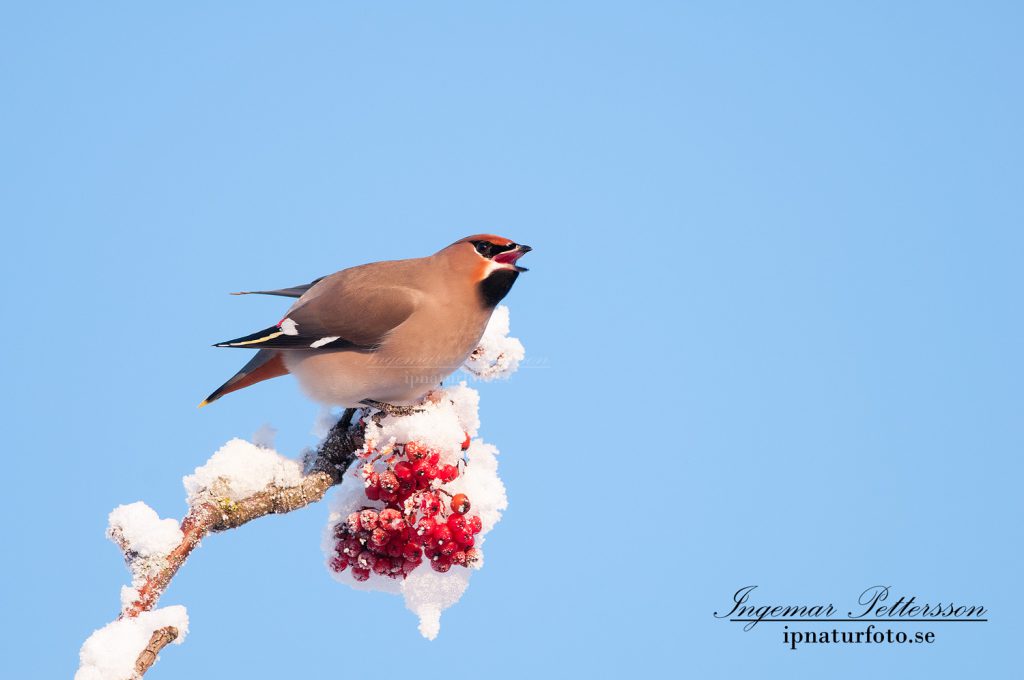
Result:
[{"x": 776, "y": 286}]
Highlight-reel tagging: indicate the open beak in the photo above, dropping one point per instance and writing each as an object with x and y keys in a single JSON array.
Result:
[{"x": 510, "y": 257}]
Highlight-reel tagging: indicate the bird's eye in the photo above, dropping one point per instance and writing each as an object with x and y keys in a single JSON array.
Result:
[{"x": 485, "y": 248}]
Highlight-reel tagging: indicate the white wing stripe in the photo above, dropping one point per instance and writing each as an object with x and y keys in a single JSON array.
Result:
[{"x": 325, "y": 341}]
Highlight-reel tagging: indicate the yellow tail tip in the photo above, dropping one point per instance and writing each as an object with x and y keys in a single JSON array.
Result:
[{"x": 203, "y": 403}]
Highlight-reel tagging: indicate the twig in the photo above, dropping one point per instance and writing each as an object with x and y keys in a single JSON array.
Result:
[{"x": 147, "y": 657}]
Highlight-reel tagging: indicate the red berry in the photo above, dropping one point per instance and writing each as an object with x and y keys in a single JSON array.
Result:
[
  {"x": 475, "y": 524},
  {"x": 432, "y": 471},
  {"x": 379, "y": 537},
  {"x": 394, "y": 548},
  {"x": 448, "y": 473},
  {"x": 463, "y": 538},
  {"x": 425, "y": 527},
  {"x": 460, "y": 503},
  {"x": 457, "y": 522},
  {"x": 440, "y": 565},
  {"x": 459, "y": 558},
  {"x": 365, "y": 559},
  {"x": 403, "y": 471},
  {"x": 473, "y": 555},
  {"x": 433, "y": 506},
  {"x": 381, "y": 565},
  {"x": 391, "y": 519},
  {"x": 353, "y": 522},
  {"x": 368, "y": 519},
  {"x": 388, "y": 482},
  {"x": 412, "y": 551},
  {"x": 360, "y": 574},
  {"x": 415, "y": 451},
  {"x": 373, "y": 493},
  {"x": 434, "y": 458},
  {"x": 441, "y": 534},
  {"x": 449, "y": 548},
  {"x": 338, "y": 564},
  {"x": 405, "y": 488}
]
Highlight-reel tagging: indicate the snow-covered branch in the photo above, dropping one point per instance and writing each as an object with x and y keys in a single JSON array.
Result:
[
  {"x": 240, "y": 483},
  {"x": 226, "y": 493}
]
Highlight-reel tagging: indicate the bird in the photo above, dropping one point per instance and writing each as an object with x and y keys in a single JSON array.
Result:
[{"x": 382, "y": 334}]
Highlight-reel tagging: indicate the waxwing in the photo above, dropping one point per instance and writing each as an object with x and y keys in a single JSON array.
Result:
[{"x": 383, "y": 333}]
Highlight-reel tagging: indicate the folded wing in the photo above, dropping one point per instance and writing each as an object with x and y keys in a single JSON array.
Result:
[{"x": 342, "y": 311}]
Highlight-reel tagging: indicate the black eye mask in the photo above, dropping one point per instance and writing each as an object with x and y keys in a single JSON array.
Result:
[{"x": 489, "y": 250}]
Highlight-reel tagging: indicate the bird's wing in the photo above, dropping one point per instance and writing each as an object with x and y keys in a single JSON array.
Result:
[
  {"x": 293, "y": 292},
  {"x": 342, "y": 311}
]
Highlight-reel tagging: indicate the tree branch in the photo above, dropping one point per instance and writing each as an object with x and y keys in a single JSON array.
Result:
[
  {"x": 147, "y": 657},
  {"x": 326, "y": 468}
]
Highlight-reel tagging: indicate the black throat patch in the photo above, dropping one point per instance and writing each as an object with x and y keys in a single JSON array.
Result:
[{"x": 496, "y": 286}]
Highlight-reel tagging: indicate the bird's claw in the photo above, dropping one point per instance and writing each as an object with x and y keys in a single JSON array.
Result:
[{"x": 384, "y": 408}]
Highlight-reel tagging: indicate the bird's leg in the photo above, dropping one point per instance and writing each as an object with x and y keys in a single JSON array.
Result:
[
  {"x": 346, "y": 419},
  {"x": 391, "y": 409}
]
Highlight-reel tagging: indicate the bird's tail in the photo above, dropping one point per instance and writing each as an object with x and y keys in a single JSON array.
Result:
[{"x": 266, "y": 364}]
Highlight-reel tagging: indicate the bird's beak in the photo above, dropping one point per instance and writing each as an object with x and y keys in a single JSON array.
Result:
[{"x": 510, "y": 257}]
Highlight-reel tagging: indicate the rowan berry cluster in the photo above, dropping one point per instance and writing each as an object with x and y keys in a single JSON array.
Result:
[{"x": 420, "y": 519}]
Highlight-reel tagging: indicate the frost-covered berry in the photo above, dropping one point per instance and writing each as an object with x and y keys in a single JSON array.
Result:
[
  {"x": 475, "y": 524},
  {"x": 412, "y": 551},
  {"x": 360, "y": 574},
  {"x": 365, "y": 559},
  {"x": 368, "y": 519},
  {"x": 430, "y": 504},
  {"x": 464, "y": 538},
  {"x": 441, "y": 534},
  {"x": 391, "y": 519},
  {"x": 388, "y": 482},
  {"x": 425, "y": 527},
  {"x": 460, "y": 503},
  {"x": 338, "y": 564},
  {"x": 379, "y": 537},
  {"x": 415, "y": 451},
  {"x": 447, "y": 473}
]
